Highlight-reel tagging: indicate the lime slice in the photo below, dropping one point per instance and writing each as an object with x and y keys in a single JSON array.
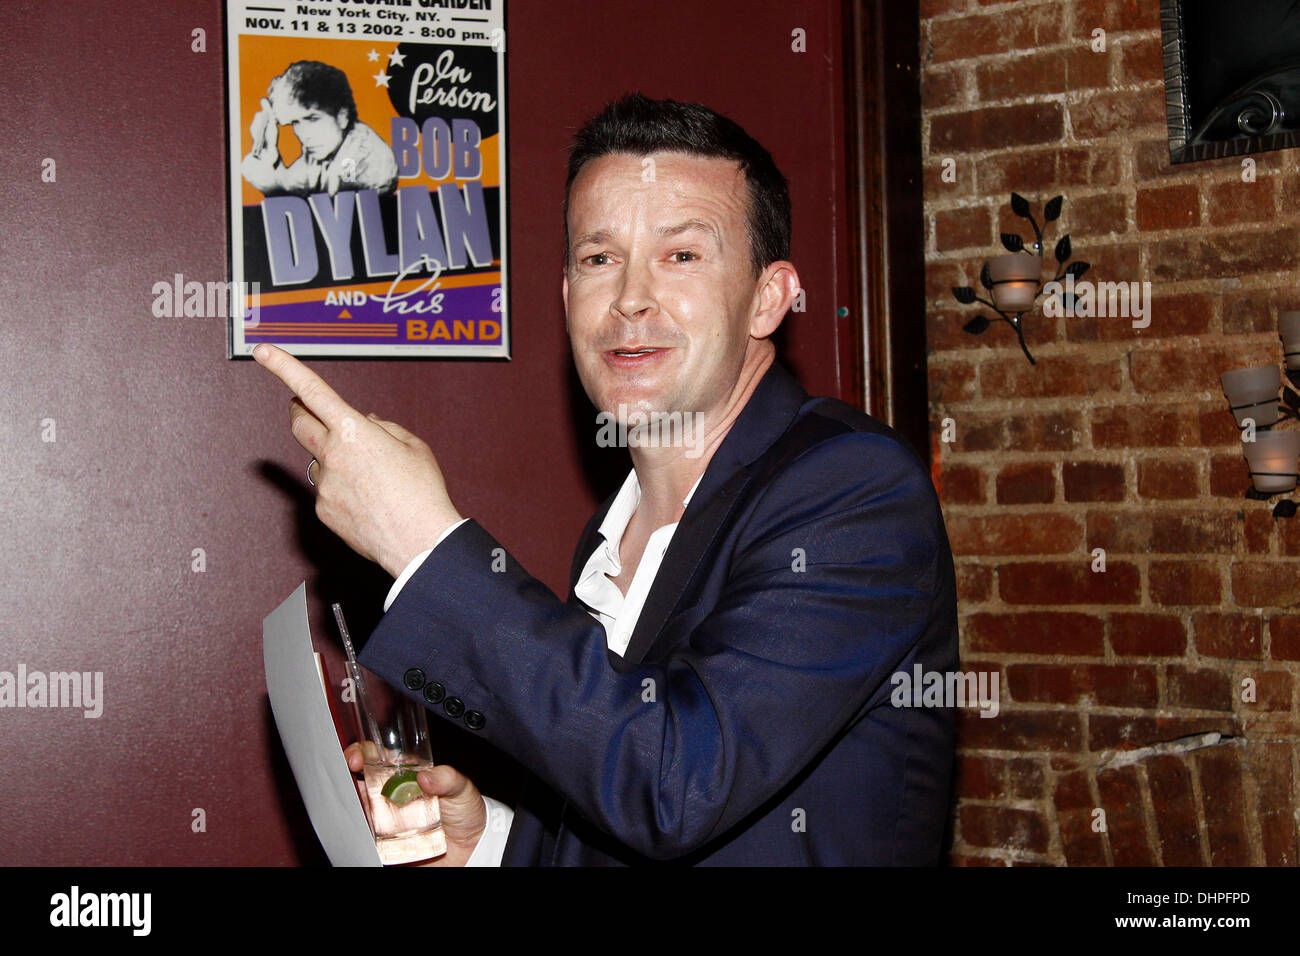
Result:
[{"x": 402, "y": 788}]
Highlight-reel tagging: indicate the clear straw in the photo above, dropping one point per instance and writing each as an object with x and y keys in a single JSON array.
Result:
[{"x": 362, "y": 699}]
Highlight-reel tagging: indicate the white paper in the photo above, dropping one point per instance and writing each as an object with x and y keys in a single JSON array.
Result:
[{"x": 306, "y": 728}]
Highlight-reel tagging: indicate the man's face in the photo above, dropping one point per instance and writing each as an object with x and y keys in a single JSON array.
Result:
[
  {"x": 318, "y": 131},
  {"x": 659, "y": 266}
]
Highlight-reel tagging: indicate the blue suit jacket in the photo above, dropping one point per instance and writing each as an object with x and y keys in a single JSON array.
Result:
[{"x": 749, "y": 721}]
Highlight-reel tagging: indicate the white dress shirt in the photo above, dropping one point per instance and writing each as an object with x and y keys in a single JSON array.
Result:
[{"x": 617, "y": 613}]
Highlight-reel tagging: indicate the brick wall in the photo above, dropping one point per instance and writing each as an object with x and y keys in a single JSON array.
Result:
[{"x": 1121, "y": 690}]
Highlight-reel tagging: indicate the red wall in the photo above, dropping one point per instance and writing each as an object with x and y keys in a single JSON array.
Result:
[{"x": 163, "y": 445}]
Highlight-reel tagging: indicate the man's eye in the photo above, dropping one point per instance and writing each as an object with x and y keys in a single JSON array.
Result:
[
  {"x": 690, "y": 256},
  {"x": 599, "y": 255}
]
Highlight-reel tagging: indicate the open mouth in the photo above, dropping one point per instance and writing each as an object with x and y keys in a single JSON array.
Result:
[{"x": 632, "y": 353}]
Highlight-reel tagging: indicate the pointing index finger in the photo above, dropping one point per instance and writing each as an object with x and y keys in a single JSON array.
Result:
[{"x": 321, "y": 400}]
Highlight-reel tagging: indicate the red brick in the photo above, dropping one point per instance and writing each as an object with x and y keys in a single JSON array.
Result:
[
  {"x": 961, "y": 484},
  {"x": 1187, "y": 314},
  {"x": 1170, "y": 783},
  {"x": 1120, "y": 531},
  {"x": 1024, "y": 730},
  {"x": 1180, "y": 369},
  {"x": 1026, "y": 778},
  {"x": 938, "y": 184},
  {"x": 1141, "y": 60},
  {"x": 1236, "y": 202},
  {"x": 1201, "y": 688},
  {"x": 1045, "y": 633},
  {"x": 1042, "y": 72},
  {"x": 1288, "y": 530},
  {"x": 1022, "y": 171},
  {"x": 1050, "y": 431},
  {"x": 1116, "y": 732},
  {"x": 1059, "y": 583},
  {"x": 962, "y": 228},
  {"x": 1259, "y": 530},
  {"x": 1088, "y": 166},
  {"x": 1099, "y": 215},
  {"x": 1167, "y": 480},
  {"x": 1184, "y": 583},
  {"x": 1254, "y": 310},
  {"x": 1013, "y": 534},
  {"x": 1026, "y": 483},
  {"x": 1223, "y": 804},
  {"x": 1229, "y": 476},
  {"x": 1151, "y": 160},
  {"x": 1004, "y": 828},
  {"x": 1265, "y": 584},
  {"x": 1126, "y": 829},
  {"x": 1074, "y": 819},
  {"x": 952, "y": 381},
  {"x": 974, "y": 583},
  {"x": 1216, "y": 426},
  {"x": 1142, "y": 426},
  {"x": 1272, "y": 690},
  {"x": 1105, "y": 684},
  {"x": 1000, "y": 127},
  {"x": 1121, "y": 111},
  {"x": 1093, "y": 481},
  {"x": 1147, "y": 635},
  {"x": 973, "y": 35},
  {"x": 1195, "y": 532},
  {"x": 937, "y": 8},
  {"x": 1013, "y": 377},
  {"x": 1115, "y": 16},
  {"x": 967, "y": 859},
  {"x": 1284, "y": 637},
  {"x": 1225, "y": 256},
  {"x": 943, "y": 329},
  {"x": 980, "y": 778},
  {"x": 1168, "y": 207},
  {"x": 1270, "y": 765},
  {"x": 941, "y": 89},
  {"x": 940, "y": 277},
  {"x": 1237, "y": 635}
]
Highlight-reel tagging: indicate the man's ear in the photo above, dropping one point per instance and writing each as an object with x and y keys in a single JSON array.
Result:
[
  {"x": 780, "y": 286},
  {"x": 564, "y": 291}
]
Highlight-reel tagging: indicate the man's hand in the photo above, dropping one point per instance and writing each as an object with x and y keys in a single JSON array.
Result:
[
  {"x": 265, "y": 132},
  {"x": 378, "y": 487},
  {"x": 464, "y": 817}
]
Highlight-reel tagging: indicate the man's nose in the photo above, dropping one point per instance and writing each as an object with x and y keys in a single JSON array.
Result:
[{"x": 636, "y": 294}]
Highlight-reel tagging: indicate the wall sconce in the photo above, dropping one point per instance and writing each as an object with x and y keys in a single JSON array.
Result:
[
  {"x": 1273, "y": 457},
  {"x": 1014, "y": 281}
]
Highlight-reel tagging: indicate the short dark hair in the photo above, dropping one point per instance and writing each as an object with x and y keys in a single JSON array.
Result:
[
  {"x": 638, "y": 125},
  {"x": 319, "y": 86}
]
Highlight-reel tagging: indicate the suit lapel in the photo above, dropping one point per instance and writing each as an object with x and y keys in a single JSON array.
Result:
[{"x": 771, "y": 409}]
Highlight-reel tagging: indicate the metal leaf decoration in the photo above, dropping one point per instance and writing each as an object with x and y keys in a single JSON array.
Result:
[
  {"x": 1077, "y": 269},
  {"x": 1052, "y": 210},
  {"x": 976, "y": 325},
  {"x": 1290, "y": 397},
  {"x": 1012, "y": 242},
  {"x": 963, "y": 294},
  {"x": 1063, "y": 249},
  {"x": 1020, "y": 205},
  {"x": 1284, "y": 509},
  {"x": 986, "y": 280}
]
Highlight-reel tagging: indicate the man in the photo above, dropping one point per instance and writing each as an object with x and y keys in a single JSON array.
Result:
[
  {"x": 717, "y": 688},
  {"x": 337, "y": 150}
]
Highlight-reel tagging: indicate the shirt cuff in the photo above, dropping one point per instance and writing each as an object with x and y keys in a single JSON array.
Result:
[
  {"x": 492, "y": 844},
  {"x": 414, "y": 566}
]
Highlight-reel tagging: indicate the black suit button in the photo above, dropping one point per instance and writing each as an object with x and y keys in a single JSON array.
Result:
[
  {"x": 474, "y": 720},
  {"x": 454, "y": 706},
  {"x": 434, "y": 692},
  {"x": 413, "y": 679}
]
